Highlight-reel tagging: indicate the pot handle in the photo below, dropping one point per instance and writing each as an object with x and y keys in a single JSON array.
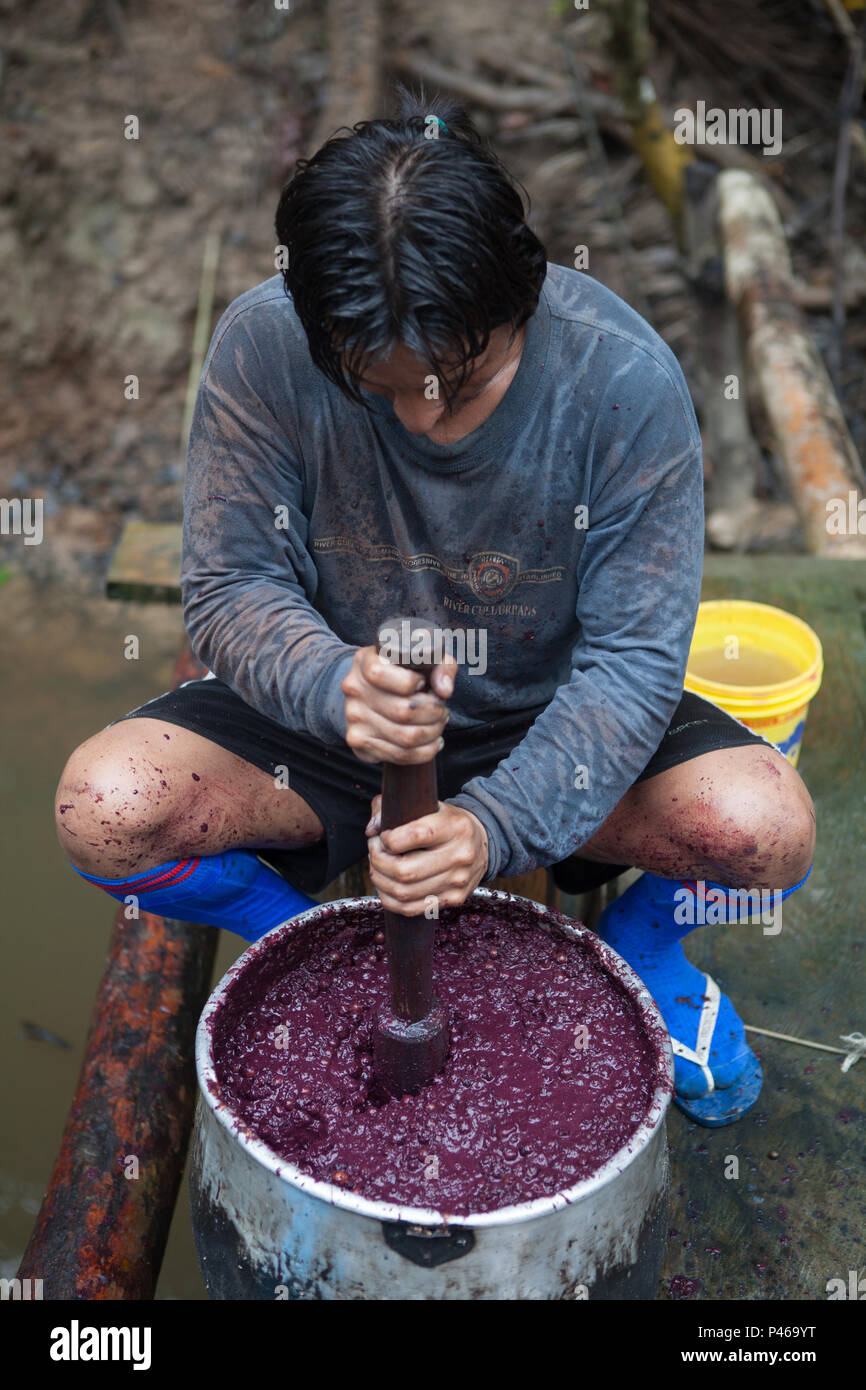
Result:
[{"x": 428, "y": 1246}]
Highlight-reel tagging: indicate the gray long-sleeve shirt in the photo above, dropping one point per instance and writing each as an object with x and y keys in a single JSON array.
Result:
[{"x": 568, "y": 528}]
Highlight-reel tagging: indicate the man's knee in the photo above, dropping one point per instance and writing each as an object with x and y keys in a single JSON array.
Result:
[
  {"x": 764, "y": 824},
  {"x": 105, "y": 800}
]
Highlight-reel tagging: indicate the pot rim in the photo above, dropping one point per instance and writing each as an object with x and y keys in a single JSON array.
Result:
[{"x": 333, "y": 1195}]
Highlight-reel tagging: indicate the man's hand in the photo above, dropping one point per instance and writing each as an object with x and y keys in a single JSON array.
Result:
[
  {"x": 442, "y": 856},
  {"x": 387, "y": 719}
]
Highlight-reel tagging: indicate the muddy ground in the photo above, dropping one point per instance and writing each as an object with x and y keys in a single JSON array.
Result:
[{"x": 101, "y": 237}]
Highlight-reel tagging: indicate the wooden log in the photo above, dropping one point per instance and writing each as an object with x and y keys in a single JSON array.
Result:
[
  {"x": 496, "y": 96},
  {"x": 729, "y": 443},
  {"x": 102, "y": 1228},
  {"x": 354, "y": 39},
  {"x": 104, "y": 1221},
  {"x": 492, "y": 96},
  {"x": 812, "y": 438},
  {"x": 820, "y": 297}
]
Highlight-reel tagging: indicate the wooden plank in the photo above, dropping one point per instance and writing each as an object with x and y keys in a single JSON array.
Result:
[{"x": 145, "y": 566}]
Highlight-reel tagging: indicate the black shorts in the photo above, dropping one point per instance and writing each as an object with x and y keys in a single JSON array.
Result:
[{"x": 339, "y": 788}]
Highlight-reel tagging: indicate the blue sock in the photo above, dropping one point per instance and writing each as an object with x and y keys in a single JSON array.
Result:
[
  {"x": 646, "y": 925},
  {"x": 234, "y": 890}
]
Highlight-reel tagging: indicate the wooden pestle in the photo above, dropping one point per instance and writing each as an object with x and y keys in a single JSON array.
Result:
[{"x": 410, "y": 1038}]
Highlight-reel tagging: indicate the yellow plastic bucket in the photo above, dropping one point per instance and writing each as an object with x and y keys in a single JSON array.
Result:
[{"x": 759, "y": 664}]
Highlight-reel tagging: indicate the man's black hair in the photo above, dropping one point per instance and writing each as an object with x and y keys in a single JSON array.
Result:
[{"x": 396, "y": 237}]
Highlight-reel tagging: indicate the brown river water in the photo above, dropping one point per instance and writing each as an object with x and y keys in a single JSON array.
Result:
[{"x": 64, "y": 677}]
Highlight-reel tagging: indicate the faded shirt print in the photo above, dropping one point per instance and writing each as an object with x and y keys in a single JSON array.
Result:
[{"x": 568, "y": 527}]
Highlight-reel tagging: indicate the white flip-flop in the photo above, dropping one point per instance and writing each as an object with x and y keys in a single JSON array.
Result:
[{"x": 722, "y": 1105}]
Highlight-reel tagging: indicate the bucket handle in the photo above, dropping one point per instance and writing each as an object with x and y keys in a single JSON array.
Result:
[{"x": 427, "y": 1246}]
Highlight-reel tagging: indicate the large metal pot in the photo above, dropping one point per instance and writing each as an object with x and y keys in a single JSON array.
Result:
[{"x": 265, "y": 1230}]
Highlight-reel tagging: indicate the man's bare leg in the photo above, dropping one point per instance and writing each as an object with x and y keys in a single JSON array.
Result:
[
  {"x": 738, "y": 816},
  {"x": 144, "y": 792}
]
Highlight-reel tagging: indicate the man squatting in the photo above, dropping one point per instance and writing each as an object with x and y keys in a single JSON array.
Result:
[{"x": 411, "y": 419}]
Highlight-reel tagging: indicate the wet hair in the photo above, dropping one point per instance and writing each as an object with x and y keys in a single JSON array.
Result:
[{"x": 399, "y": 236}]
